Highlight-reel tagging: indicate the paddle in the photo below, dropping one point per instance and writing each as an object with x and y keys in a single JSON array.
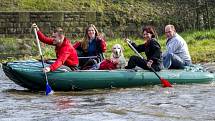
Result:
[
  {"x": 48, "y": 88},
  {"x": 163, "y": 81}
]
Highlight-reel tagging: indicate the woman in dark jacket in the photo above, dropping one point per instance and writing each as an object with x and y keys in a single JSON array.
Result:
[
  {"x": 91, "y": 45},
  {"x": 152, "y": 50}
]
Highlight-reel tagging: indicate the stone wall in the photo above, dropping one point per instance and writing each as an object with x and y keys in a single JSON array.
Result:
[{"x": 18, "y": 24}]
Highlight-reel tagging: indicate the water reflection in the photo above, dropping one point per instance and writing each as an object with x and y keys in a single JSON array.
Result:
[{"x": 64, "y": 103}]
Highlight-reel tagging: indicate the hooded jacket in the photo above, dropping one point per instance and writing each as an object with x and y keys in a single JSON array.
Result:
[{"x": 66, "y": 53}]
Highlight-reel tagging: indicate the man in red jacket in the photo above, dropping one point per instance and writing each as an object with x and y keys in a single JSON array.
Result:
[{"x": 65, "y": 52}]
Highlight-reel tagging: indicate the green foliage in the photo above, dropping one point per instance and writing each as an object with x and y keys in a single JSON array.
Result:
[
  {"x": 7, "y": 45},
  {"x": 48, "y": 52},
  {"x": 52, "y": 5},
  {"x": 201, "y": 45}
]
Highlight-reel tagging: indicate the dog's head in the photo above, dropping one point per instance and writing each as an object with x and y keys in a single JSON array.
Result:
[{"x": 117, "y": 50}]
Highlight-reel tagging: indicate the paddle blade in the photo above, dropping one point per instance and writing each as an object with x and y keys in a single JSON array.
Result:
[
  {"x": 48, "y": 90},
  {"x": 165, "y": 83}
]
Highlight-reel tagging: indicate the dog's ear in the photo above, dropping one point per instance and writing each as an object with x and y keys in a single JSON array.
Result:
[{"x": 112, "y": 48}]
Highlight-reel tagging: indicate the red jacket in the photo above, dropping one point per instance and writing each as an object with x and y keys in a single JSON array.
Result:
[{"x": 66, "y": 53}]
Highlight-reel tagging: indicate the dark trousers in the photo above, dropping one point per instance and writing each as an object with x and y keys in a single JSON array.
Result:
[
  {"x": 89, "y": 63},
  {"x": 63, "y": 67},
  {"x": 172, "y": 61},
  {"x": 142, "y": 63}
]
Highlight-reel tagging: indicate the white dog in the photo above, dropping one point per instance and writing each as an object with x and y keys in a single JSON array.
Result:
[{"x": 117, "y": 56}]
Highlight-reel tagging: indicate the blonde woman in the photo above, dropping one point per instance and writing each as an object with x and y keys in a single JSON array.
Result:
[{"x": 92, "y": 44}]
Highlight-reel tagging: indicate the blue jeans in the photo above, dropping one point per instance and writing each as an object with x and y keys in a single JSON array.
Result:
[{"x": 172, "y": 61}]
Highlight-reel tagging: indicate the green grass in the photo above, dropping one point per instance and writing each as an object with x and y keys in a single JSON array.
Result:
[
  {"x": 201, "y": 46},
  {"x": 53, "y": 5}
]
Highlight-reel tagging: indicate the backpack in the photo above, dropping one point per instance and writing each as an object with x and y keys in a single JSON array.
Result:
[{"x": 106, "y": 64}]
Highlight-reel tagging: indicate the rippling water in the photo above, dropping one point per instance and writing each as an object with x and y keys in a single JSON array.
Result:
[{"x": 154, "y": 103}]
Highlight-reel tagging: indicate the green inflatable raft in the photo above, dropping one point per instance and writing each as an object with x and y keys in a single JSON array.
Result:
[{"x": 28, "y": 74}]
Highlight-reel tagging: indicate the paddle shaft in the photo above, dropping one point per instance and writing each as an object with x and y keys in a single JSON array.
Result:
[
  {"x": 88, "y": 57},
  {"x": 142, "y": 59},
  {"x": 41, "y": 55}
]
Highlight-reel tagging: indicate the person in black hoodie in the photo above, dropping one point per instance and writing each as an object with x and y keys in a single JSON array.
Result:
[{"x": 152, "y": 50}]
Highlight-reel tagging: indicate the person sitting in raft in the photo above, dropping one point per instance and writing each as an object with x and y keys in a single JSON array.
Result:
[
  {"x": 65, "y": 52},
  {"x": 152, "y": 50},
  {"x": 92, "y": 44},
  {"x": 177, "y": 55}
]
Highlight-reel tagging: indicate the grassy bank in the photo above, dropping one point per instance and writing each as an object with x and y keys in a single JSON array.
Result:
[{"x": 201, "y": 46}]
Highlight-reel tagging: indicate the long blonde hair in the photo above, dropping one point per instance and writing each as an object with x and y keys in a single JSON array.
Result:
[{"x": 85, "y": 40}]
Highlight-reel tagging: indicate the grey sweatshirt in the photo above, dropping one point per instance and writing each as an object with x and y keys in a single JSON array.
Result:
[{"x": 178, "y": 46}]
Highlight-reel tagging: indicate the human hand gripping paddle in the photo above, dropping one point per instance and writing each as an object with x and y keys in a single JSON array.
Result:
[
  {"x": 163, "y": 81},
  {"x": 48, "y": 88}
]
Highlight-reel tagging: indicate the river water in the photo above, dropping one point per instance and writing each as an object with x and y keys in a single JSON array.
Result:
[{"x": 153, "y": 103}]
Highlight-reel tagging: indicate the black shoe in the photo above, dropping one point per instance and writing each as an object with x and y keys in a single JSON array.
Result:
[{"x": 126, "y": 67}]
